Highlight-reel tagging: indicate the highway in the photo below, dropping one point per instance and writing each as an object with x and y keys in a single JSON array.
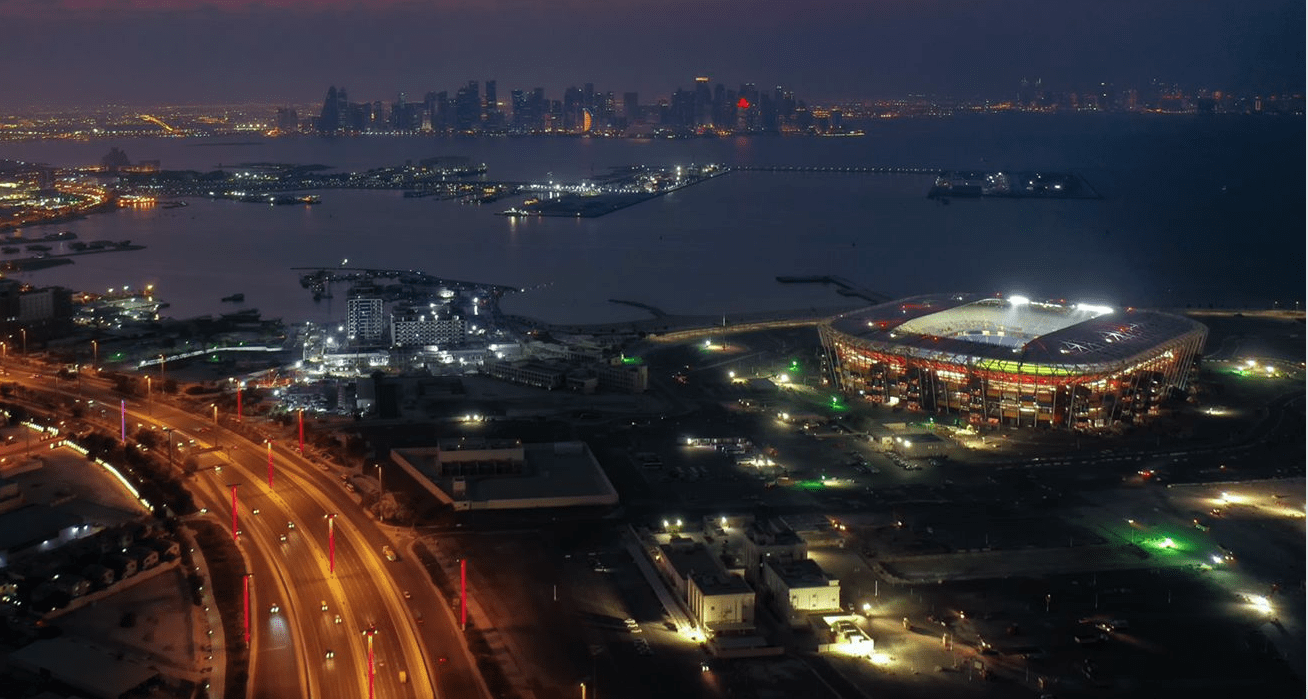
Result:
[{"x": 289, "y": 647}]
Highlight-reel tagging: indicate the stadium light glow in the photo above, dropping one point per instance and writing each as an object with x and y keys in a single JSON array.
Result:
[
  {"x": 1091, "y": 308},
  {"x": 1018, "y": 300}
]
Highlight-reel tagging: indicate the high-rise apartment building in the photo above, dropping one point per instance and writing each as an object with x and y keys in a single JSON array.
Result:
[{"x": 364, "y": 322}]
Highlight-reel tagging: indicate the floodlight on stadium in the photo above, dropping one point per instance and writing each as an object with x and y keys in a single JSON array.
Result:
[{"x": 1097, "y": 310}]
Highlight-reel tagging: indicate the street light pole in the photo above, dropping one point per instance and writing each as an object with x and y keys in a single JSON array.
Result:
[
  {"x": 95, "y": 355},
  {"x": 381, "y": 487},
  {"x": 270, "y": 465}
]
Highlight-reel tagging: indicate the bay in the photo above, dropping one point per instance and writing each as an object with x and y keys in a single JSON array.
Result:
[{"x": 1195, "y": 211}]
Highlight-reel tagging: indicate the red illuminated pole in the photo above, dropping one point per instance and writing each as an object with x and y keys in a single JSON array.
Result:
[
  {"x": 236, "y": 533},
  {"x": 331, "y": 543},
  {"x": 301, "y": 431},
  {"x": 247, "y": 609},
  {"x": 122, "y": 417},
  {"x": 370, "y": 633},
  {"x": 270, "y": 465},
  {"x": 463, "y": 593}
]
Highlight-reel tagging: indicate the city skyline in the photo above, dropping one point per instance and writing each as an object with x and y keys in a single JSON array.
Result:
[{"x": 192, "y": 52}]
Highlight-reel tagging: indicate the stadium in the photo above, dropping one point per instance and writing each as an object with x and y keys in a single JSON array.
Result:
[{"x": 1013, "y": 361}]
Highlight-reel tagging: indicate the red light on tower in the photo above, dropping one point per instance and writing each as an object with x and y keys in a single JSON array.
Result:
[
  {"x": 302, "y": 431},
  {"x": 743, "y": 103},
  {"x": 270, "y": 465}
]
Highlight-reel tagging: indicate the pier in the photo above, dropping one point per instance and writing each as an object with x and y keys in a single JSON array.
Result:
[
  {"x": 846, "y": 287},
  {"x": 853, "y": 170}
]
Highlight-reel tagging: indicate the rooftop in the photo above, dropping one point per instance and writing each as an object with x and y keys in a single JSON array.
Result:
[
  {"x": 560, "y": 474},
  {"x": 1006, "y": 333},
  {"x": 691, "y": 560},
  {"x": 84, "y": 667},
  {"x": 804, "y": 572},
  {"x": 719, "y": 584}
]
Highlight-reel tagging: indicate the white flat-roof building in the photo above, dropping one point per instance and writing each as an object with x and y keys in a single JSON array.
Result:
[
  {"x": 717, "y": 600},
  {"x": 763, "y": 543},
  {"x": 801, "y": 587}
]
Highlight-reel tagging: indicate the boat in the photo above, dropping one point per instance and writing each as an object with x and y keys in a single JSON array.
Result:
[
  {"x": 39, "y": 248},
  {"x": 516, "y": 212},
  {"x": 62, "y": 235},
  {"x": 9, "y": 249},
  {"x": 234, "y": 298}
]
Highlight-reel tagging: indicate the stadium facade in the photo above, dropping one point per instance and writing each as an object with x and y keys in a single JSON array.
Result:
[{"x": 1012, "y": 361}]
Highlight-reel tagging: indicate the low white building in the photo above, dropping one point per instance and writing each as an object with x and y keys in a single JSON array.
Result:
[
  {"x": 801, "y": 587},
  {"x": 716, "y": 599},
  {"x": 720, "y": 601}
]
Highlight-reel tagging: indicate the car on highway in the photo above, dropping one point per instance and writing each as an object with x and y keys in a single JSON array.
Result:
[
  {"x": 275, "y": 608},
  {"x": 329, "y": 654},
  {"x": 389, "y": 553},
  {"x": 323, "y": 604},
  {"x": 408, "y": 595},
  {"x": 338, "y": 618}
]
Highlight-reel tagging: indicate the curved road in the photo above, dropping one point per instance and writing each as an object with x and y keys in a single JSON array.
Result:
[{"x": 289, "y": 647}]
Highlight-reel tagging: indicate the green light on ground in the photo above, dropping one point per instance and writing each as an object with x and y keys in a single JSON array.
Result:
[
  {"x": 1172, "y": 545},
  {"x": 631, "y": 360},
  {"x": 811, "y": 485}
]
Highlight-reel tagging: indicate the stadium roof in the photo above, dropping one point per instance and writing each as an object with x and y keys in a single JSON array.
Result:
[{"x": 1012, "y": 329}]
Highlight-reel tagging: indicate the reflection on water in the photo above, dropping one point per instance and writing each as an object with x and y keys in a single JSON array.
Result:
[{"x": 1178, "y": 225}]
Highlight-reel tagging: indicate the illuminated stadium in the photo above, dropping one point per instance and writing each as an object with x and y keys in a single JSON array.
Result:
[{"x": 1013, "y": 361}]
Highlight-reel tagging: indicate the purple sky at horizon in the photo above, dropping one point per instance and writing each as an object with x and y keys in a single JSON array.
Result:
[{"x": 84, "y": 52}]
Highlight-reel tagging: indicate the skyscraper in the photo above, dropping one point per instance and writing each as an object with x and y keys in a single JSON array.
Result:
[
  {"x": 493, "y": 116},
  {"x": 288, "y": 121},
  {"x": 467, "y": 108},
  {"x": 631, "y": 107},
  {"x": 364, "y": 323},
  {"x": 329, "y": 121}
]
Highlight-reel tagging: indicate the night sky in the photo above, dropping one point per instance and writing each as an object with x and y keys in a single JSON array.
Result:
[{"x": 87, "y": 52}]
